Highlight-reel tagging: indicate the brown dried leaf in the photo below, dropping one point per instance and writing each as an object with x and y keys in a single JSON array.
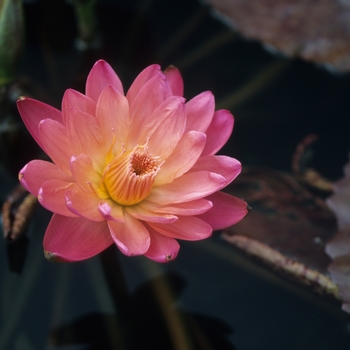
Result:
[
  {"x": 17, "y": 211},
  {"x": 316, "y": 31}
]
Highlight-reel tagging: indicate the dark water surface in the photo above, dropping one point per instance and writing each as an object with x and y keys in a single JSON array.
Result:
[{"x": 216, "y": 293}]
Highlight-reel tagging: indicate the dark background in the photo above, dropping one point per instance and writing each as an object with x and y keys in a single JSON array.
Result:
[{"x": 276, "y": 102}]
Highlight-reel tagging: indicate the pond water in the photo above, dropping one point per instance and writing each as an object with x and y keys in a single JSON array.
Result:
[{"x": 220, "y": 299}]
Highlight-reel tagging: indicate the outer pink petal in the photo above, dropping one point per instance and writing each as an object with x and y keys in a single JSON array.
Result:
[
  {"x": 32, "y": 112},
  {"x": 165, "y": 138},
  {"x": 149, "y": 98},
  {"x": 200, "y": 111},
  {"x": 72, "y": 132},
  {"x": 218, "y": 132},
  {"x": 111, "y": 211},
  {"x": 185, "y": 155},
  {"x": 196, "y": 207},
  {"x": 131, "y": 237},
  {"x": 52, "y": 196},
  {"x": 145, "y": 215},
  {"x": 189, "y": 228},
  {"x": 175, "y": 80},
  {"x": 162, "y": 249},
  {"x": 112, "y": 115},
  {"x": 147, "y": 74},
  {"x": 36, "y": 172},
  {"x": 83, "y": 204},
  {"x": 75, "y": 99},
  {"x": 83, "y": 128},
  {"x": 227, "y": 210},
  {"x": 187, "y": 188},
  {"x": 228, "y": 167},
  {"x": 75, "y": 239},
  {"x": 84, "y": 173},
  {"x": 100, "y": 76},
  {"x": 56, "y": 144}
]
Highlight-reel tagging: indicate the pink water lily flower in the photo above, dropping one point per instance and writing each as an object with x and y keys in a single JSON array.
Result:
[{"x": 137, "y": 170}]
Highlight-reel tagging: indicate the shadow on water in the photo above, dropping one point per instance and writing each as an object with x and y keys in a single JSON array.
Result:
[{"x": 149, "y": 326}]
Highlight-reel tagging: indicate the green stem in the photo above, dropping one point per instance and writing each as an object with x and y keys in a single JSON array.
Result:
[{"x": 119, "y": 292}]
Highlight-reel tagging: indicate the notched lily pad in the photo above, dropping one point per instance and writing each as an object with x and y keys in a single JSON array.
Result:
[{"x": 287, "y": 228}]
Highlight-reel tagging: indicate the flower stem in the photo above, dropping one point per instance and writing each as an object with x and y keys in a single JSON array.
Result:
[{"x": 120, "y": 294}]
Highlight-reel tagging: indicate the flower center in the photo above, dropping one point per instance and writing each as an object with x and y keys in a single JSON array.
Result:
[{"x": 128, "y": 179}]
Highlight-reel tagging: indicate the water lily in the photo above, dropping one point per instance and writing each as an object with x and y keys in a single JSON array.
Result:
[{"x": 138, "y": 170}]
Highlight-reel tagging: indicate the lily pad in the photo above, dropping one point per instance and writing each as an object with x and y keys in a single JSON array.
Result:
[
  {"x": 287, "y": 228},
  {"x": 316, "y": 31}
]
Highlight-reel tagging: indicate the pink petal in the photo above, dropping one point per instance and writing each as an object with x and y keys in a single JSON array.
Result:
[
  {"x": 196, "y": 207},
  {"x": 162, "y": 249},
  {"x": 112, "y": 114},
  {"x": 227, "y": 210},
  {"x": 83, "y": 204},
  {"x": 187, "y": 188},
  {"x": 100, "y": 76},
  {"x": 174, "y": 78},
  {"x": 200, "y": 111},
  {"x": 228, "y": 167},
  {"x": 149, "y": 98},
  {"x": 218, "y": 132},
  {"x": 32, "y": 112},
  {"x": 56, "y": 144},
  {"x": 52, "y": 196},
  {"x": 165, "y": 138},
  {"x": 84, "y": 173},
  {"x": 184, "y": 156},
  {"x": 111, "y": 211},
  {"x": 147, "y": 74},
  {"x": 36, "y": 172},
  {"x": 75, "y": 239},
  {"x": 145, "y": 215},
  {"x": 131, "y": 237},
  {"x": 189, "y": 228},
  {"x": 83, "y": 129},
  {"x": 77, "y": 100}
]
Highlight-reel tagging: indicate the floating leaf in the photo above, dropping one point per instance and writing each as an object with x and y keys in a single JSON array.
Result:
[
  {"x": 287, "y": 227},
  {"x": 316, "y": 31}
]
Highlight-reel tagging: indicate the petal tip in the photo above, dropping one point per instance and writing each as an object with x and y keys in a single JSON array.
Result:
[
  {"x": 164, "y": 258},
  {"x": 170, "y": 257},
  {"x": 100, "y": 61},
  {"x": 21, "y": 98},
  {"x": 52, "y": 257},
  {"x": 21, "y": 173}
]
